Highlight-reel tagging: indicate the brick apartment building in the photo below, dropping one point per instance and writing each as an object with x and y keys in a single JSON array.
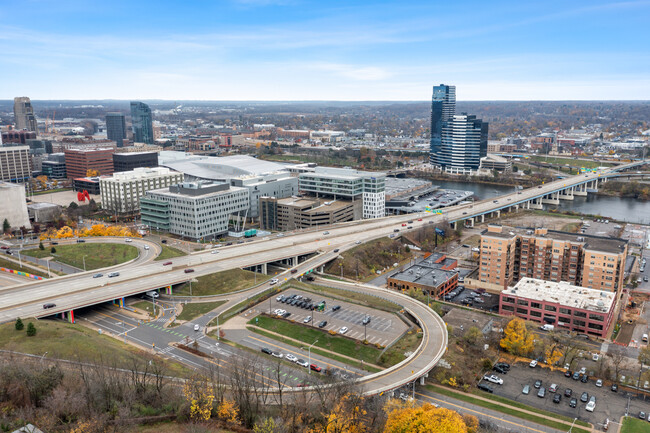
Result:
[
  {"x": 79, "y": 161},
  {"x": 436, "y": 274},
  {"x": 563, "y": 305},
  {"x": 508, "y": 254}
]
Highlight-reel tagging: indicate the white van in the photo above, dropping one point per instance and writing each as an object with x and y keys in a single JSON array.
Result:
[
  {"x": 644, "y": 338},
  {"x": 152, "y": 294}
]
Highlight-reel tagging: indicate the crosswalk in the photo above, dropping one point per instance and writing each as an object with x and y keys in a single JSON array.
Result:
[{"x": 167, "y": 330}]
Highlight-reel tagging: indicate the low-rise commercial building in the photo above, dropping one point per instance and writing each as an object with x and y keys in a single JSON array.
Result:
[
  {"x": 90, "y": 184},
  {"x": 54, "y": 166},
  {"x": 369, "y": 187},
  {"x": 496, "y": 162},
  {"x": 435, "y": 275},
  {"x": 42, "y": 212},
  {"x": 121, "y": 192},
  {"x": 14, "y": 205},
  {"x": 508, "y": 254},
  {"x": 304, "y": 212},
  {"x": 197, "y": 210},
  {"x": 561, "y": 304},
  {"x": 127, "y": 161}
]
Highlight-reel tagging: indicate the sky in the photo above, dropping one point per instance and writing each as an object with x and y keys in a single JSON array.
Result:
[{"x": 324, "y": 50}]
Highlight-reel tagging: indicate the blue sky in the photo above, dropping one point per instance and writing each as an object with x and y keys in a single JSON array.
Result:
[{"x": 324, "y": 50}]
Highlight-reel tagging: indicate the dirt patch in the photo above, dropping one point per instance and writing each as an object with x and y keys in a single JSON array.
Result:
[
  {"x": 625, "y": 334},
  {"x": 528, "y": 219}
]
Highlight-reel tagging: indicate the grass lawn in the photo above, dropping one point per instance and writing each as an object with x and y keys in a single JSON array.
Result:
[
  {"x": 170, "y": 253},
  {"x": 559, "y": 424},
  {"x": 396, "y": 353},
  {"x": 571, "y": 227},
  {"x": 15, "y": 266},
  {"x": 96, "y": 255},
  {"x": 635, "y": 425},
  {"x": 144, "y": 306},
  {"x": 245, "y": 304},
  {"x": 221, "y": 282},
  {"x": 196, "y": 309},
  {"x": 63, "y": 340},
  {"x": 308, "y": 334},
  {"x": 349, "y": 296},
  {"x": 571, "y": 161}
]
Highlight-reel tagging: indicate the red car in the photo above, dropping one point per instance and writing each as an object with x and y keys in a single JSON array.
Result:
[
  {"x": 4, "y": 247},
  {"x": 315, "y": 368},
  {"x": 187, "y": 271},
  {"x": 167, "y": 263},
  {"x": 419, "y": 219},
  {"x": 404, "y": 225}
]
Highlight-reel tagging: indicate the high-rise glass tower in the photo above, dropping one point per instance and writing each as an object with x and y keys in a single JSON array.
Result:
[
  {"x": 24, "y": 114},
  {"x": 142, "y": 124},
  {"x": 116, "y": 128},
  {"x": 464, "y": 143},
  {"x": 443, "y": 108}
]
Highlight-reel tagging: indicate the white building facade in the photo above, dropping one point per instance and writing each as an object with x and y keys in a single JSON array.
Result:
[
  {"x": 121, "y": 192},
  {"x": 14, "y": 205}
]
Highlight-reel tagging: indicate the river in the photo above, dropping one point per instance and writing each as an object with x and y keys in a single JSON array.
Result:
[{"x": 618, "y": 208}]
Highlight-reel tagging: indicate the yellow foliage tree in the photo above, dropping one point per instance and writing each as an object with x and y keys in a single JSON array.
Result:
[
  {"x": 471, "y": 422},
  {"x": 228, "y": 411},
  {"x": 346, "y": 417},
  {"x": 517, "y": 339},
  {"x": 553, "y": 355},
  {"x": 92, "y": 172},
  {"x": 199, "y": 395},
  {"x": 424, "y": 419}
]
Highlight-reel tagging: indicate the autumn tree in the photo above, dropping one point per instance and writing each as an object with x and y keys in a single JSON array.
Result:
[
  {"x": 644, "y": 359},
  {"x": 199, "y": 395},
  {"x": 517, "y": 339},
  {"x": 473, "y": 335},
  {"x": 347, "y": 416},
  {"x": 92, "y": 172},
  {"x": 423, "y": 419}
]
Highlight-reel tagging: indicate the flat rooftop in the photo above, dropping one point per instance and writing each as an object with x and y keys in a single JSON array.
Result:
[
  {"x": 591, "y": 242},
  {"x": 563, "y": 293},
  {"x": 427, "y": 272}
]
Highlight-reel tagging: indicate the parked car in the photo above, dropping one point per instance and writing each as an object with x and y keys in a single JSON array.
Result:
[
  {"x": 573, "y": 402},
  {"x": 485, "y": 387},
  {"x": 267, "y": 350},
  {"x": 494, "y": 379},
  {"x": 533, "y": 364},
  {"x": 568, "y": 392},
  {"x": 287, "y": 314},
  {"x": 526, "y": 390},
  {"x": 642, "y": 415},
  {"x": 538, "y": 384},
  {"x": 552, "y": 388},
  {"x": 343, "y": 330},
  {"x": 584, "y": 397},
  {"x": 503, "y": 365},
  {"x": 336, "y": 308},
  {"x": 599, "y": 383},
  {"x": 307, "y": 319},
  {"x": 542, "y": 392},
  {"x": 576, "y": 376},
  {"x": 316, "y": 368},
  {"x": 366, "y": 320},
  {"x": 584, "y": 379},
  {"x": 592, "y": 404},
  {"x": 568, "y": 373},
  {"x": 614, "y": 387},
  {"x": 290, "y": 357},
  {"x": 302, "y": 363},
  {"x": 322, "y": 324},
  {"x": 498, "y": 369},
  {"x": 277, "y": 354},
  {"x": 557, "y": 398}
]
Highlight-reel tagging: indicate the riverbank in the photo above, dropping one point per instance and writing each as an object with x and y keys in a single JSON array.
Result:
[{"x": 504, "y": 181}]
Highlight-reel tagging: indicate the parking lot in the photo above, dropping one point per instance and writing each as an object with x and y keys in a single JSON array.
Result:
[
  {"x": 609, "y": 404},
  {"x": 383, "y": 327},
  {"x": 464, "y": 296}
]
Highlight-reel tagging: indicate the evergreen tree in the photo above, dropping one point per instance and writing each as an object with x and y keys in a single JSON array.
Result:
[
  {"x": 31, "y": 329},
  {"x": 19, "y": 324}
]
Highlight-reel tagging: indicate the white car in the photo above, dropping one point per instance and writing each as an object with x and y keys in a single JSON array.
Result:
[
  {"x": 281, "y": 312},
  {"x": 343, "y": 330},
  {"x": 290, "y": 357},
  {"x": 277, "y": 354},
  {"x": 494, "y": 379},
  {"x": 127, "y": 240},
  {"x": 592, "y": 404},
  {"x": 357, "y": 242},
  {"x": 583, "y": 370},
  {"x": 197, "y": 328},
  {"x": 302, "y": 363},
  {"x": 214, "y": 251},
  {"x": 307, "y": 319},
  {"x": 274, "y": 281},
  {"x": 533, "y": 364},
  {"x": 146, "y": 247}
]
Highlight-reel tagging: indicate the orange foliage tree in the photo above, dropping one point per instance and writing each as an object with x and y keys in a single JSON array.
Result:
[
  {"x": 346, "y": 417},
  {"x": 517, "y": 339},
  {"x": 423, "y": 419}
]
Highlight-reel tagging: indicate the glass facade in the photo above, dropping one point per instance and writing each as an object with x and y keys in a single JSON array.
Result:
[
  {"x": 116, "y": 128},
  {"x": 443, "y": 108},
  {"x": 141, "y": 123}
]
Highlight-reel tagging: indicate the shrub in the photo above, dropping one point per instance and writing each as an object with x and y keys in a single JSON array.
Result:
[
  {"x": 53, "y": 250},
  {"x": 41, "y": 246},
  {"x": 19, "y": 325},
  {"x": 31, "y": 329}
]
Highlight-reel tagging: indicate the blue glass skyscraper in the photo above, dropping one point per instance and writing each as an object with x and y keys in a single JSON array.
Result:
[
  {"x": 443, "y": 108},
  {"x": 141, "y": 123}
]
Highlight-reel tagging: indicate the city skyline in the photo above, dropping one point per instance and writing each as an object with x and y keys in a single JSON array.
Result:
[{"x": 297, "y": 50}]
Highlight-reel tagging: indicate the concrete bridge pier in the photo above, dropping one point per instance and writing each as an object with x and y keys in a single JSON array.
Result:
[
  {"x": 567, "y": 194},
  {"x": 469, "y": 222},
  {"x": 581, "y": 190},
  {"x": 264, "y": 268},
  {"x": 483, "y": 218},
  {"x": 552, "y": 198},
  {"x": 536, "y": 203}
]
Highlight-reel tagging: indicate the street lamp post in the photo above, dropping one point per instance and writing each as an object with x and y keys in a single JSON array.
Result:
[
  {"x": 309, "y": 350},
  {"x": 84, "y": 260}
]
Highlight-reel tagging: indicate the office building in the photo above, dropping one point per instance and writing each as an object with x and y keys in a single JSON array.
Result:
[
  {"x": 435, "y": 275},
  {"x": 508, "y": 254},
  {"x": 132, "y": 160},
  {"x": 495, "y": 162},
  {"x": 303, "y": 212},
  {"x": 90, "y": 184},
  {"x": 141, "y": 123},
  {"x": 116, "y": 128},
  {"x": 15, "y": 164},
  {"x": 54, "y": 166},
  {"x": 14, "y": 205},
  {"x": 561, "y": 304},
  {"x": 443, "y": 108},
  {"x": 369, "y": 187},
  {"x": 260, "y": 178},
  {"x": 121, "y": 192},
  {"x": 79, "y": 161},
  {"x": 24, "y": 117},
  {"x": 464, "y": 143},
  {"x": 197, "y": 210},
  {"x": 42, "y": 212}
]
